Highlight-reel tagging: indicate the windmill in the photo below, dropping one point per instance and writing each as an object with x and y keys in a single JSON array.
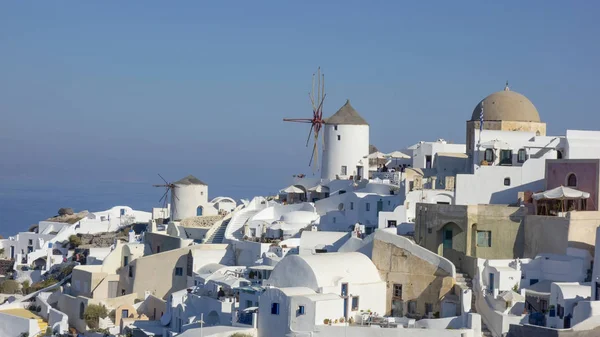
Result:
[
  {"x": 169, "y": 188},
  {"x": 317, "y": 121}
]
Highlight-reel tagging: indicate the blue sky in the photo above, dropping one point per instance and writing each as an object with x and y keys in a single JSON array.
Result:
[{"x": 120, "y": 90}]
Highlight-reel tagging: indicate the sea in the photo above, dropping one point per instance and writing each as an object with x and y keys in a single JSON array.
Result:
[{"x": 24, "y": 204}]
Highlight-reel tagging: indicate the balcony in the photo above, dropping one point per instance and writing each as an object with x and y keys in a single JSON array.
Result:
[{"x": 392, "y": 177}]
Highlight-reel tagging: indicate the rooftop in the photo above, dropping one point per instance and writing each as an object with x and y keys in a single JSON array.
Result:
[
  {"x": 189, "y": 180},
  {"x": 346, "y": 115}
]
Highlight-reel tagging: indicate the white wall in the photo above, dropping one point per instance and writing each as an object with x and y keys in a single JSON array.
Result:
[
  {"x": 556, "y": 268},
  {"x": 13, "y": 326},
  {"x": 188, "y": 198},
  {"x": 582, "y": 144},
  {"x": 486, "y": 185},
  {"x": 424, "y": 149},
  {"x": 349, "y": 151},
  {"x": 354, "y": 209},
  {"x": 58, "y": 321},
  {"x": 273, "y": 325}
]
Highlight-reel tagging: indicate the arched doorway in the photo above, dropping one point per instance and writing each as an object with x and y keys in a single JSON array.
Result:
[
  {"x": 450, "y": 239},
  {"x": 212, "y": 318},
  {"x": 199, "y": 211}
]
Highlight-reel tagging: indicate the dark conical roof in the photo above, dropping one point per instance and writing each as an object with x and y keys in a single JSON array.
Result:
[
  {"x": 189, "y": 180},
  {"x": 346, "y": 115}
]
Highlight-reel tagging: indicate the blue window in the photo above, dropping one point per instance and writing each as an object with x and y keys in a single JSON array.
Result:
[
  {"x": 301, "y": 310},
  {"x": 533, "y": 281},
  {"x": 274, "y": 308},
  {"x": 122, "y": 211},
  {"x": 178, "y": 271},
  {"x": 355, "y": 303},
  {"x": 344, "y": 289},
  {"x": 199, "y": 211}
]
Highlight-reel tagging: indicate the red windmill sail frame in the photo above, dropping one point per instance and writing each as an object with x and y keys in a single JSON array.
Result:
[{"x": 317, "y": 121}]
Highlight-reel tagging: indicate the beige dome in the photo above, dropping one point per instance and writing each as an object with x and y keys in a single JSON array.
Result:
[{"x": 506, "y": 106}]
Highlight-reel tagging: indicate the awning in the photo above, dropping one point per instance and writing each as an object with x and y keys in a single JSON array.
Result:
[
  {"x": 496, "y": 144},
  {"x": 377, "y": 155},
  {"x": 397, "y": 155},
  {"x": 319, "y": 189},
  {"x": 560, "y": 193},
  {"x": 293, "y": 189}
]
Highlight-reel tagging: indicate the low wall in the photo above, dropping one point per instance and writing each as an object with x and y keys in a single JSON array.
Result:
[
  {"x": 58, "y": 321},
  {"x": 540, "y": 331},
  {"x": 497, "y": 322},
  {"x": 373, "y": 331},
  {"x": 466, "y": 264},
  {"x": 14, "y": 326}
]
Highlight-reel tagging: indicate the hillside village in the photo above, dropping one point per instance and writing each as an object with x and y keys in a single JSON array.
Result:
[{"x": 493, "y": 237}]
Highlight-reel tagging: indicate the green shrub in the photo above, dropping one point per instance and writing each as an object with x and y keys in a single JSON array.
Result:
[
  {"x": 48, "y": 332},
  {"x": 25, "y": 286},
  {"x": 43, "y": 284},
  {"x": 10, "y": 287},
  {"x": 66, "y": 271},
  {"x": 75, "y": 241},
  {"x": 93, "y": 313}
]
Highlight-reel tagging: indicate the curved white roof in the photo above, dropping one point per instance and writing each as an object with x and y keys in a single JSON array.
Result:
[
  {"x": 299, "y": 217},
  {"x": 324, "y": 270}
]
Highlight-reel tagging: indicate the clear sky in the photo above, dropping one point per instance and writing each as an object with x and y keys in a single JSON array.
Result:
[{"x": 121, "y": 90}]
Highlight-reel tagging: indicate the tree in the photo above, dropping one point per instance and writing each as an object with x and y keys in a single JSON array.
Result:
[{"x": 93, "y": 313}]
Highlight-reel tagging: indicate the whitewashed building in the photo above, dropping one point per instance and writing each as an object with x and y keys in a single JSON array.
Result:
[{"x": 346, "y": 144}]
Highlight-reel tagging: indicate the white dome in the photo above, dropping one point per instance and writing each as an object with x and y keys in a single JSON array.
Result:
[{"x": 298, "y": 217}]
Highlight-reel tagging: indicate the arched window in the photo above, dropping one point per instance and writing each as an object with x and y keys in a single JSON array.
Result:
[
  {"x": 521, "y": 156},
  {"x": 81, "y": 310},
  {"x": 572, "y": 180},
  {"x": 559, "y": 154},
  {"x": 489, "y": 155}
]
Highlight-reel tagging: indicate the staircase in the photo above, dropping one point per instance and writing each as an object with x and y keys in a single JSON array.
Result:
[
  {"x": 237, "y": 223},
  {"x": 43, "y": 325},
  {"x": 464, "y": 281},
  {"x": 219, "y": 234}
]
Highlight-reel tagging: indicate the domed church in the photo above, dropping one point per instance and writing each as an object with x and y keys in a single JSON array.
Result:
[{"x": 505, "y": 111}]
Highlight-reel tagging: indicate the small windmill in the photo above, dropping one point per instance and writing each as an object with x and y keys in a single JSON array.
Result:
[
  {"x": 317, "y": 121},
  {"x": 169, "y": 188}
]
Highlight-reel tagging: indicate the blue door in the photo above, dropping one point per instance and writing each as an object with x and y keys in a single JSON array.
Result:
[
  {"x": 491, "y": 285},
  {"x": 448, "y": 239},
  {"x": 199, "y": 211}
]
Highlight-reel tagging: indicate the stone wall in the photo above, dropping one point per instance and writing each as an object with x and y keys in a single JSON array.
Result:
[{"x": 421, "y": 281}]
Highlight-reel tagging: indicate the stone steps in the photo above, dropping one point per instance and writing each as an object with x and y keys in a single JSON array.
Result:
[
  {"x": 219, "y": 234},
  {"x": 465, "y": 281}
]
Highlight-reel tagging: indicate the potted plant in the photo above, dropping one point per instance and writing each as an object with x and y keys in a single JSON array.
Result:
[
  {"x": 326, "y": 321},
  {"x": 342, "y": 320},
  {"x": 336, "y": 321}
]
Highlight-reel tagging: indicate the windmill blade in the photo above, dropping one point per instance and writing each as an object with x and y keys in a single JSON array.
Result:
[
  {"x": 320, "y": 109},
  {"x": 313, "y": 154},
  {"x": 316, "y": 152},
  {"x": 309, "y": 133},
  {"x": 164, "y": 196},
  {"x": 161, "y": 177},
  {"x": 173, "y": 193}
]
